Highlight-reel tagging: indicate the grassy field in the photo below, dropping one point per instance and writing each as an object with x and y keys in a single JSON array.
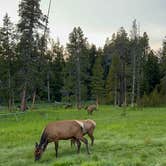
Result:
[{"x": 137, "y": 139}]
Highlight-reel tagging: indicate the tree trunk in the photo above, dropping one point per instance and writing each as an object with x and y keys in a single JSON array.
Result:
[
  {"x": 121, "y": 91},
  {"x": 115, "y": 92},
  {"x": 9, "y": 94},
  {"x": 125, "y": 91},
  {"x": 23, "y": 100},
  {"x": 13, "y": 101},
  {"x": 33, "y": 99},
  {"x": 97, "y": 102},
  {"x": 134, "y": 79},
  {"x": 78, "y": 82},
  {"x": 122, "y": 83},
  {"x": 48, "y": 87},
  {"x": 138, "y": 77},
  {"x": 9, "y": 91},
  {"x": 10, "y": 104}
]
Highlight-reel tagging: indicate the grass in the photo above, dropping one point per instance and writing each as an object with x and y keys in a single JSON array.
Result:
[{"x": 135, "y": 139}]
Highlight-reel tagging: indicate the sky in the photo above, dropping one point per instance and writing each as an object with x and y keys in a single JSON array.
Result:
[{"x": 99, "y": 19}]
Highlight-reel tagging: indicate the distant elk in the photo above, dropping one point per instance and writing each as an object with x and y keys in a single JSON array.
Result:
[
  {"x": 61, "y": 130},
  {"x": 91, "y": 108},
  {"x": 19, "y": 107},
  {"x": 88, "y": 128},
  {"x": 68, "y": 106}
]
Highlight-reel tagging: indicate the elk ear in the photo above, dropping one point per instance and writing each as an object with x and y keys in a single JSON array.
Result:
[{"x": 36, "y": 144}]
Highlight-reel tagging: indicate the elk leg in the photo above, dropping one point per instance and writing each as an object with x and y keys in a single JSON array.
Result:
[
  {"x": 78, "y": 146},
  {"x": 85, "y": 141},
  {"x": 91, "y": 137},
  {"x": 72, "y": 142},
  {"x": 56, "y": 148}
]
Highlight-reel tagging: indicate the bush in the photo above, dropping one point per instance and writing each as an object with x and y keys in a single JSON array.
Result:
[{"x": 153, "y": 100}]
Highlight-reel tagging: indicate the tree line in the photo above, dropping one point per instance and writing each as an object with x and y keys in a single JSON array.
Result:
[{"x": 33, "y": 66}]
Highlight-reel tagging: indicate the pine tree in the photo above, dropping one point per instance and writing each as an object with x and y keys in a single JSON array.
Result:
[
  {"x": 112, "y": 80},
  {"x": 145, "y": 50},
  {"x": 122, "y": 47},
  {"x": 163, "y": 59},
  {"x": 77, "y": 56},
  {"x": 163, "y": 68},
  {"x": 92, "y": 58},
  {"x": 8, "y": 55},
  {"x": 151, "y": 73},
  {"x": 57, "y": 70},
  {"x": 30, "y": 21},
  {"x": 97, "y": 83}
]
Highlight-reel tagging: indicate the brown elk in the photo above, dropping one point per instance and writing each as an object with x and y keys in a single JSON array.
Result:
[
  {"x": 91, "y": 108},
  {"x": 88, "y": 128},
  {"x": 61, "y": 130}
]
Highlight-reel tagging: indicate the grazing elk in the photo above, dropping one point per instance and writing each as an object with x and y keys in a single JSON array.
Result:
[
  {"x": 61, "y": 130},
  {"x": 68, "y": 106},
  {"x": 88, "y": 128},
  {"x": 91, "y": 108}
]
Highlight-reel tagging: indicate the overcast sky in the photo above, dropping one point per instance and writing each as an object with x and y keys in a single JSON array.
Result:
[{"x": 99, "y": 18}]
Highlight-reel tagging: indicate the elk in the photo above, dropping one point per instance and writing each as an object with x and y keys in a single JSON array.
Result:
[
  {"x": 60, "y": 130},
  {"x": 91, "y": 108},
  {"x": 88, "y": 128}
]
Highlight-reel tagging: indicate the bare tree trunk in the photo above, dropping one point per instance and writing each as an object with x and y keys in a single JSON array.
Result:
[
  {"x": 135, "y": 34},
  {"x": 23, "y": 100},
  {"x": 125, "y": 91},
  {"x": 138, "y": 77},
  {"x": 97, "y": 102},
  {"x": 33, "y": 99},
  {"x": 134, "y": 80},
  {"x": 13, "y": 101},
  {"x": 122, "y": 83},
  {"x": 48, "y": 87},
  {"x": 10, "y": 104},
  {"x": 115, "y": 93},
  {"x": 9, "y": 91},
  {"x": 121, "y": 91},
  {"x": 78, "y": 82},
  {"x": 118, "y": 94}
]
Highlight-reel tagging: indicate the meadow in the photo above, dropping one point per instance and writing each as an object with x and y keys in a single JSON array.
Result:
[{"x": 136, "y": 138}]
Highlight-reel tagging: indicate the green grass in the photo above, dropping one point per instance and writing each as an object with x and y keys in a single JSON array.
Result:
[{"x": 137, "y": 139}]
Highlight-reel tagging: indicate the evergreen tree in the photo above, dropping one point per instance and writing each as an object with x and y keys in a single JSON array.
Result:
[
  {"x": 97, "y": 84},
  {"x": 30, "y": 21},
  {"x": 163, "y": 68},
  {"x": 57, "y": 70},
  {"x": 151, "y": 73},
  {"x": 163, "y": 59},
  {"x": 112, "y": 81},
  {"x": 92, "y": 59},
  {"x": 77, "y": 49},
  {"x": 108, "y": 52},
  {"x": 122, "y": 50},
  {"x": 8, "y": 57},
  {"x": 145, "y": 50}
]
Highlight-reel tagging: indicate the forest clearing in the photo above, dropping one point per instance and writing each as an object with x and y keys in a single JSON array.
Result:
[
  {"x": 72, "y": 71},
  {"x": 137, "y": 138}
]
